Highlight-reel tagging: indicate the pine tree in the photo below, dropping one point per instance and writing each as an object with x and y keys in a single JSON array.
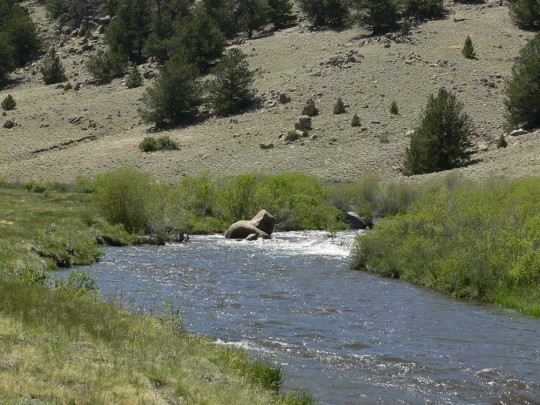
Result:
[
  {"x": 9, "y": 103},
  {"x": 394, "y": 110},
  {"x": 339, "y": 107},
  {"x": 355, "y": 121},
  {"x": 523, "y": 89},
  {"x": 279, "y": 12},
  {"x": 325, "y": 12},
  {"x": 468, "y": 49},
  {"x": 380, "y": 15},
  {"x": 52, "y": 70},
  {"x": 501, "y": 142},
  {"x": 134, "y": 79},
  {"x": 525, "y": 13},
  {"x": 442, "y": 139},
  {"x": 174, "y": 96},
  {"x": 232, "y": 88}
]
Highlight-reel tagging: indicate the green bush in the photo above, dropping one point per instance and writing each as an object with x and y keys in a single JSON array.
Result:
[
  {"x": 525, "y": 13},
  {"x": 442, "y": 139},
  {"x": 292, "y": 136},
  {"x": 355, "y": 121},
  {"x": 523, "y": 88},
  {"x": 104, "y": 66},
  {"x": 122, "y": 197},
  {"x": 174, "y": 96},
  {"x": 150, "y": 144},
  {"x": 231, "y": 90},
  {"x": 325, "y": 12},
  {"x": 468, "y": 49},
  {"x": 474, "y": 241},
  {"x": 55, "y": 8},
  {"x": 339, "y": 107},
  {"x": 251, "y": 15},
  {"x": 7, "y": 63},
  {"x": 9, "y": 103},
  {"x": 52, "y": 69}
]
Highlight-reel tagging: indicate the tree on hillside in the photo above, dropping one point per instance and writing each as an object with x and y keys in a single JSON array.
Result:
[
  {"x": 52, "y": 69},
  {"x": 525, "y": 13},
  {"x": 325, "y": 12},
  {"x": 443, "y": 137},
  {"x": 129, "y": 30},
  {"x": 279, "y": 13},
  {"x": 6, "y": 58},
  {"x": 379, "y": 15},
  {"x": 232, "y": 88},
  {"x": 523, "y": 89},
  {"x": 422, "y": 8},
  {"x": 222, "y": 12},
  {"x": 174, "y": 96},
  {"x": 251, "y": 15}
]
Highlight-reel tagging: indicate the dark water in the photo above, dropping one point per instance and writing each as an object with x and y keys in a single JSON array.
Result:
[{"x": 346, "y": 336}]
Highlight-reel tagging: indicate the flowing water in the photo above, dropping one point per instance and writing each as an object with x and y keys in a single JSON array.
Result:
[{"x": 345, "y": 336}]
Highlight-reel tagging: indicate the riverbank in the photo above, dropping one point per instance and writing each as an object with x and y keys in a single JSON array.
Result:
[
  {"x": 476, "y": 241},
  {"x": 61, "y": 345}
]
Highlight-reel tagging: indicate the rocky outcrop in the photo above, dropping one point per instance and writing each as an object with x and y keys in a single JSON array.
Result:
[
  {"x": 304, "y": 122},
  {"x": 310, "y": 109},
  {"x": 261, "y": 226}
]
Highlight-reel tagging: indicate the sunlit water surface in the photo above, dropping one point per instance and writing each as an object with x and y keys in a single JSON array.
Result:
[{"x": 345, "y": 336}]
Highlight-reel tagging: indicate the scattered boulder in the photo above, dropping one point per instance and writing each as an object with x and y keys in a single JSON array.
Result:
[
  {"x": 261, "y": 226},
  {"x": 9, "y": 124},
  {"x": 304, "y": 122},
  {"x": 518, "y": 132},
  {"x": 244, "y": 229},
  {"x": 264, "y": 221},
  {"x": 310, "y": 109},
  {"x": 357, "y": 222},
  {"x": 266, "y": 145},
  {"x": 284, "y": 99}
]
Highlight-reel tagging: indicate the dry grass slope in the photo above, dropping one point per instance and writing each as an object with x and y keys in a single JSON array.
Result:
[{"x": 46, "y": 144}]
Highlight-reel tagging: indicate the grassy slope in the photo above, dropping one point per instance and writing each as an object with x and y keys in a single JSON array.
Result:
[
  {"x": 59, "y": 347},
  {"x": 290, "y": 61}
]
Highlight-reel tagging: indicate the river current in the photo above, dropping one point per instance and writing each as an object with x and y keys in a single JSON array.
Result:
[{"x": 345, "y": 336}]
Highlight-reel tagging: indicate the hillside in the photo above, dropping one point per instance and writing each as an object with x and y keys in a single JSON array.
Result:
[{"x": 62, "y": 134}]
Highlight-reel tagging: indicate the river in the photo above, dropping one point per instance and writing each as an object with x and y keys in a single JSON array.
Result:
[{"x": 345, "y": 336}]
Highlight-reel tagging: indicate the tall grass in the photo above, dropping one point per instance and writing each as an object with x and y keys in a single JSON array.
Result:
[{"x": 478, "y": 241}]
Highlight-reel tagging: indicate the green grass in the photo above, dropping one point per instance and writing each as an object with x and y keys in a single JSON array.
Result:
[{"x": 478, "y": 241}]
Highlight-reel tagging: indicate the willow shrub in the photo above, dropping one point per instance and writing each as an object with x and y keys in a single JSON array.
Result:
[{"x": 469, "y": 240}]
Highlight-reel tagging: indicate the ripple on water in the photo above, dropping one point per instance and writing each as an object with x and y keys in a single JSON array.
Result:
[{"x": 349, "y": 337}]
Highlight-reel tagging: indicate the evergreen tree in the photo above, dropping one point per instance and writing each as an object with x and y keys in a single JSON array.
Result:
[
  {"x": 128, "y": 32},
  {"x": 279, "y": 12},
  {"x": 339, "y": 107},
  {"x": 6, "y": 58},
  {"x": 325, "y": 12},
  {"x": 523, "y": 89},
  {"x": 422, "y": 8},
  {"x": 134, "y": 79},
  {"x": 380, "y": 15},
  {"x": 501, "y": 142},
  {"x": 52, "y": 69},
  {"x": 198, "y": 39},
  {"x": 232, "y": 88},
  {"x": 525, "y": 13},
  {"x": 251, "y": 15},
  {"x": 222, "y": 13},
  {"x": 394, "y": 110},
  {"x": 355, "y": 121},
  {"x": 442, "y": 139},
  {"x": 174, "y": 96},
  {"x": 468, "y": 49},
  {"x": 9, "y": 103}
]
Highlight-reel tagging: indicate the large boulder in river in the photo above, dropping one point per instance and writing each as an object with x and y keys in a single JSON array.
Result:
[
  {"x": 355, "y": 221},
  {"x": 264, "y": 221},
  {"x": 243, "y": 230}
]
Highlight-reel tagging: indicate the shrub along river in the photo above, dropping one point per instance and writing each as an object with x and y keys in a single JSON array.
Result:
[{"x": 347, "y": 337}]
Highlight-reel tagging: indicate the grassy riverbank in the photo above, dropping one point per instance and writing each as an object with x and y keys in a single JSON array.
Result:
[
  {"x": 478, "y": 241},
  {"x": 63, "y": 346}
]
